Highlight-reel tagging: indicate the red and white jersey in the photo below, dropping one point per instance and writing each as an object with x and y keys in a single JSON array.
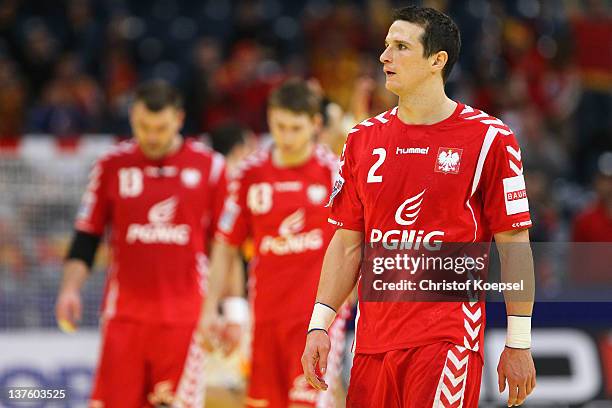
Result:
[
  {"x": 283, "y": 210},
  {"x": 161, "y": 215},
  {"x": 459, "y": 180}
]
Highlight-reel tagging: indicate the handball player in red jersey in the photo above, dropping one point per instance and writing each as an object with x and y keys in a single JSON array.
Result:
[
  {"x": 428, "y": 171},
  {"x": 277, "y": 197},
  {"x": 161, "y": 196}
]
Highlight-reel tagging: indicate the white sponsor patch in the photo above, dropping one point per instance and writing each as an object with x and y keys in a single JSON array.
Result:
[{"x": 515, "y": 195}]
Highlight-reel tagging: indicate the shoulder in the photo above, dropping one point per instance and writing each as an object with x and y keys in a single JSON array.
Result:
[
  {"x": 203, "y": 151},
  {"x": 481, "y": 121},
  {"x": 117, "y": 155},
  {"x": 370, "y": 128},
  {"x": 325, "y": 157},
  {"x": 372, "y": 125},
  {"x": 252, "y": 163}
]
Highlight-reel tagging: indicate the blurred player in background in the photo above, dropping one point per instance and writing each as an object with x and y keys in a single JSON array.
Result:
[
  {"x": 278, "y": 198},
  {"x": 160, "y": 196},
  {"x": 440, "y": 168}
]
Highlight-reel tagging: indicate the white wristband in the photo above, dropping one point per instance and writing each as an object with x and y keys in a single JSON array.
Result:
[
  {"x": 519, "y": 332},
  {"x": 322, "y": 317},
  {"x": 235, "y": 309}
]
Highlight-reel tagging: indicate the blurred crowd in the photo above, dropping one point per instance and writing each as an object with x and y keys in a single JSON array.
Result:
[{"x": 543, "y": 66}]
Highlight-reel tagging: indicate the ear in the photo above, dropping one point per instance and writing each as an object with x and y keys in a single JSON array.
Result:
[
  {"x": 181, "y": 117},
  {"x": 318, "y": 122},
  {"x": 438, "y": 61}
]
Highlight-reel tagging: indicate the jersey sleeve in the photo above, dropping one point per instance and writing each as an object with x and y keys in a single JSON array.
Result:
[
  {"x": 506, "y": 206},
  {"x": 218, "y": 189},
  {"x": 94, "y": 210},
  {"x": 233, "y": 224},
  {"x": 346, "y": 209}
]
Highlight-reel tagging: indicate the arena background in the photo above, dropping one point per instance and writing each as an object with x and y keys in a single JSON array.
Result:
[{"x": 68, "y": 70}]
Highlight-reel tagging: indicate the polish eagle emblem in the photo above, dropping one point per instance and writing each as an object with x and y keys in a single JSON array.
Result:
[{"x": 448, "y": 160}]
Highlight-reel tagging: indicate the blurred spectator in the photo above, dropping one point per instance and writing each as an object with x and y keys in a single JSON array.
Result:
[
  {"x": 234, "y": 142},
  {"x": 595, "y": 223},
  {"x": 83, "y": 36},
  {"x": 71, "y": 102},
  {"x": 12, "y": 99},
  {"x": 40, "y": 51},
  {"x": 592, "y": 30}
]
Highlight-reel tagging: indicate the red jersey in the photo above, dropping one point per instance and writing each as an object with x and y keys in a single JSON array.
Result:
[
  {"x": 283, "y": 210},
  {"x": 459, "y": 180},
  {"x": 160, "y": 214}
]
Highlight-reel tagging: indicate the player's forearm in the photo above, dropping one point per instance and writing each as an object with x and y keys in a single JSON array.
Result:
[
  {"x": 75, "y": 274},
  {"x": 517, "y": 268},
  {"x": 340, "y": 268},
  {"x": 235, "y": 282},
  {"x": 222, "y": 256}
]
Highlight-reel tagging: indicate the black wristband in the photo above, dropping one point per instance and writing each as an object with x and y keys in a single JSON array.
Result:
[
  {"x": 516, "y": 348},
  {"x": 84, "y": 247},
  {"x": 316, "y": 328}
]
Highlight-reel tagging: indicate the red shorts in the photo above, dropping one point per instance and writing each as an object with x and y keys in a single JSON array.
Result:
[
  {"x": 435, "y": 375},
  {"x": 277, "y": 378},
  {"x": 144, "y": 364}
]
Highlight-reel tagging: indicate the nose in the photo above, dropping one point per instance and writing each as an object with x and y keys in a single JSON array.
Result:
[{"x": 385, "y": 57}]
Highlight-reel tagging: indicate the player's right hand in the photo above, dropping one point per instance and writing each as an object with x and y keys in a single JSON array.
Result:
[
  {"x": 314, "y": 359},
  {"x": 209, "y": 331},
  {"x": 68, "y": 309}
]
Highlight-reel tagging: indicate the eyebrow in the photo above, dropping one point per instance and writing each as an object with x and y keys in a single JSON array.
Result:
[{"x": 405, "y": 42}]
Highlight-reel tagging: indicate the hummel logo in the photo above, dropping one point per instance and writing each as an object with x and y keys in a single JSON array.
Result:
[{"x": 412, "y": 150}]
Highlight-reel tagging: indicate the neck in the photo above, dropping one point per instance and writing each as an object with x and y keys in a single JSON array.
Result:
[
  {"x": 292, "y": 160},
  {"x": 177, "y": 142},
  {"x": 427, "y": 105}
]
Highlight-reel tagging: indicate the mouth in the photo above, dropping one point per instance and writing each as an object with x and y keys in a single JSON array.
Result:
[{"x": 389, "y": 73}]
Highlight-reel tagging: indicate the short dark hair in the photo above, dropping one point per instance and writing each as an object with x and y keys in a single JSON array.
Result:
[
  {"x": 441, "y": 33},
  {"x": 227, "y": 136},
  {"x": 158, "y": 94},
  {"x": 295, "y": 95}
]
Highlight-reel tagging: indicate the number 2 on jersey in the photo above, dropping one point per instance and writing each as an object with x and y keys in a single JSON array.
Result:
[{"x": 382, "y": 155}]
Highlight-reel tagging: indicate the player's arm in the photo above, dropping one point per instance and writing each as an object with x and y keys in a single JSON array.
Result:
[
  {"x": 75, "y": 272},
  {"x": 225, "y": 290},
  {"x": 231, "y": 230},
  {"x": 338, "y": 278},
  {"x": 90, "y": 223},
  {"x": 516, "y": 364}
]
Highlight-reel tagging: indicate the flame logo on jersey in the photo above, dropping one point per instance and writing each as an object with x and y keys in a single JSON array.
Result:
[
  {"x": 163, "y": 212},
  {"x": 408, "y": 212},
  {"x": 160, "y": 229},
  {"x": 449, "y": 160},
  {"x": 292, "y": 239},
  {"x": 405, "y": 215},
  {"x": 293, "y": 224}
]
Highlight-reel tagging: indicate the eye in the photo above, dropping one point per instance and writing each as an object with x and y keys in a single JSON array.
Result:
[{"x": 401, "y": 47}]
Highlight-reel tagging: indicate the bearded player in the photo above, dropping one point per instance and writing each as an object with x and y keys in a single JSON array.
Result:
[
  {"x": 278, "y": 199},
  {"x": 161, "y": 196},
  {"x": 440, "y": 170}
]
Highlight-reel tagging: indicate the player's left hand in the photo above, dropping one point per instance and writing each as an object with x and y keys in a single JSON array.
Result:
[
  {"x": 517, "y": 369},
  {"x": 230, "y": 337},
  {"x": 314, "y": 359}
]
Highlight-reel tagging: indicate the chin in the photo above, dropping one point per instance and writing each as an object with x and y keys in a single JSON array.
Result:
[{"x": 391, "y": 87}]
